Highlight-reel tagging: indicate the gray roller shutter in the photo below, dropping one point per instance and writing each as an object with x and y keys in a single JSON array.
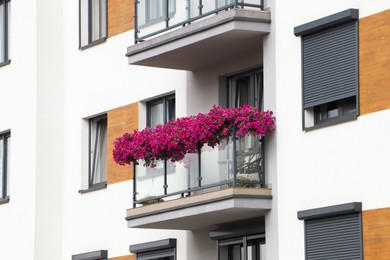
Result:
[
  {"x": 330, "y": 64},
  {"x": 334, "y": 238}
]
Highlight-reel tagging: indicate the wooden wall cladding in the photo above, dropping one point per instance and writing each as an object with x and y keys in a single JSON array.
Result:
[
  {"x": 126, "y": 257},
  {"x": 119, "y": 121},
  {"x": 374, "y": 62},
  {"x": 120, "y": 16},
  {"x": 376, "y": 234}
]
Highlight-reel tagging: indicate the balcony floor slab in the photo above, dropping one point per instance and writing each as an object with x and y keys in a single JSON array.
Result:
[
  {"x": 202, "y": 211},
  {"x": 204, "y": 42}
]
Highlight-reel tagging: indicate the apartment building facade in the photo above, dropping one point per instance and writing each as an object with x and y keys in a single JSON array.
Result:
[{"x": 95, "y": 69}]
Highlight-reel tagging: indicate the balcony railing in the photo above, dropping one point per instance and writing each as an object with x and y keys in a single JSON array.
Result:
[
  {"x": 153, "y": 17},
  {"x": 238, "y": 162}
]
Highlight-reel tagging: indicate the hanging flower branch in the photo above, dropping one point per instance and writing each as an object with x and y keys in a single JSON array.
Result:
[{"x": 189, "y": 134}]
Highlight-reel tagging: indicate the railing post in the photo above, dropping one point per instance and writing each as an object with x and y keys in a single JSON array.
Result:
[
  {"x": 262, "y": 184},
  {"x": 167, "y": 13},
  {"x": 165, "y": 177},
  {"x": 236, "y": 4},
  {"x": 134, "y": 186},
  {"x": 234, "y": 157},
  {"x": 136, "y": 2},
  {"x": 262, "y": 4},
  {"x": 199, "y": 168},
  {"x": 200, "y": 7}
]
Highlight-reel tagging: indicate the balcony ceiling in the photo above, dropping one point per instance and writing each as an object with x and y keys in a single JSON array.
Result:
[
  {"x": 209, "y": 41},
  {"x": 206, "y": 210}
]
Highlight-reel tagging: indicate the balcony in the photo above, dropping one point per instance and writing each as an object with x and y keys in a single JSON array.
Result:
[
  {"x": 190, "y": 34},
  {"x": 214, "y": 186}
]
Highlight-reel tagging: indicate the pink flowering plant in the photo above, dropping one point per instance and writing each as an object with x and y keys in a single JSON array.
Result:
[{"x": 177, "y": 138}]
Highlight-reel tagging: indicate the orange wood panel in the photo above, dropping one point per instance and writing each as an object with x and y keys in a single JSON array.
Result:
[
  {"x": 126, "y": 257},
  {"x": 374, "y": 62},
  {"x": 119, "y": 121},
  {"x": 376, "y": 234},
  {"x": 120, "y": 16}
]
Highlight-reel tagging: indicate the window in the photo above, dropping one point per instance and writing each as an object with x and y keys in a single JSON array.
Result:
[
  {"x": 4, "y": 165},
  {"x": 330, "y": 69},
  {"x": 243, "y": 248},
  {"x": 97, "y": 152},
  {"x": 152, "y": 11},
  {"x": 247, "y": 88},
  {"x": 161, "y": 111},
  {"x": 93, "y": 22},
  {"x": 157, "y": 250},
  {"x": 333, "y": 232},
  {"x": 95, "y": 255},
  {"x": 5, "y": 10}
]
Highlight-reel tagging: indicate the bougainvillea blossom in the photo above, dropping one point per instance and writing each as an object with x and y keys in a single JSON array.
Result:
[{"x": 177, "y": 138}]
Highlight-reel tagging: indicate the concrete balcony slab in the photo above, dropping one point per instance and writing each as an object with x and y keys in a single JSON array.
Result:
[
  {"x": 210, "y": 40},
  {"x": 206, "y": 210}
]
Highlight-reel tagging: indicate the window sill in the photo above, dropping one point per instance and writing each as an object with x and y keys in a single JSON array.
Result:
[
  {"x": 4, "y": 200},
  {"x": 98, "y": 186},
  {"x": 332, "y": 122},
  {"x": 97, "y": 42},
  {"x": 4, "y": 63}
]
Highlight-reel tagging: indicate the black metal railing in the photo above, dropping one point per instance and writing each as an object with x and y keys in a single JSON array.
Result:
[
  {"x": 152, "y": 17},
  {"x": 238, "y": 162}
]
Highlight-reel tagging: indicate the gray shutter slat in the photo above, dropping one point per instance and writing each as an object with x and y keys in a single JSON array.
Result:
[
  {"x": 333, "y": 238},
  {"x": 330, "y": 65}
]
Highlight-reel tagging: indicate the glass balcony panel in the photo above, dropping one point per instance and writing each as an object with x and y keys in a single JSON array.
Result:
[
  {"x": 223, "y": 3},
  {"x": 216, "y": 164},
  {"x": 152, "y": 15},
  {"x": 193, "y": 8},
  {"x": 179, "y": 11},
  {"x": 249, "y": 162},
  {"x": 149, "y": 182},
  {"x": 184, "y": 175}
]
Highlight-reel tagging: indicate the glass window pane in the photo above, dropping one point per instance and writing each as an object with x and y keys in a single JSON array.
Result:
[
  {"x": 2, "y": 33},
  {"x": 171, "y": 114},
  {"x": 8, "y": 163},
  {"x": 242, "y": 91},
  {"x": 98, "y": 150},
  {"x": 103, "y": 18},
  {"x": 95, "y": 20},
  {"x": 156, "y": 114},
  {"x": 1, "y": 166},
  {"x": 84, "y": 23}
]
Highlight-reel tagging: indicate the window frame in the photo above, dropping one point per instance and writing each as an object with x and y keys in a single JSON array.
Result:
[
  {"x": 91, "y": 173},
  {"x": 254, "y": 84},
  {"x": 5, "y": 36},
  {"x": 162, "y": 100},
  {"x": 91, "y": 185},
  {"x": 166, "y": 166},
  {"x": 5, "y": 138},
  {"x": 103, "y": 33}
]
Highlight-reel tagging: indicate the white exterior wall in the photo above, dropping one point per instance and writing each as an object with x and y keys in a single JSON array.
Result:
[
  {"x": 333, "y": 165},
  {"x": 18, "y": 113}
]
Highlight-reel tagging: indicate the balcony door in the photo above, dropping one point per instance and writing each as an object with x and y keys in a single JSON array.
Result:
[{"x": 246, "y": 88}]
